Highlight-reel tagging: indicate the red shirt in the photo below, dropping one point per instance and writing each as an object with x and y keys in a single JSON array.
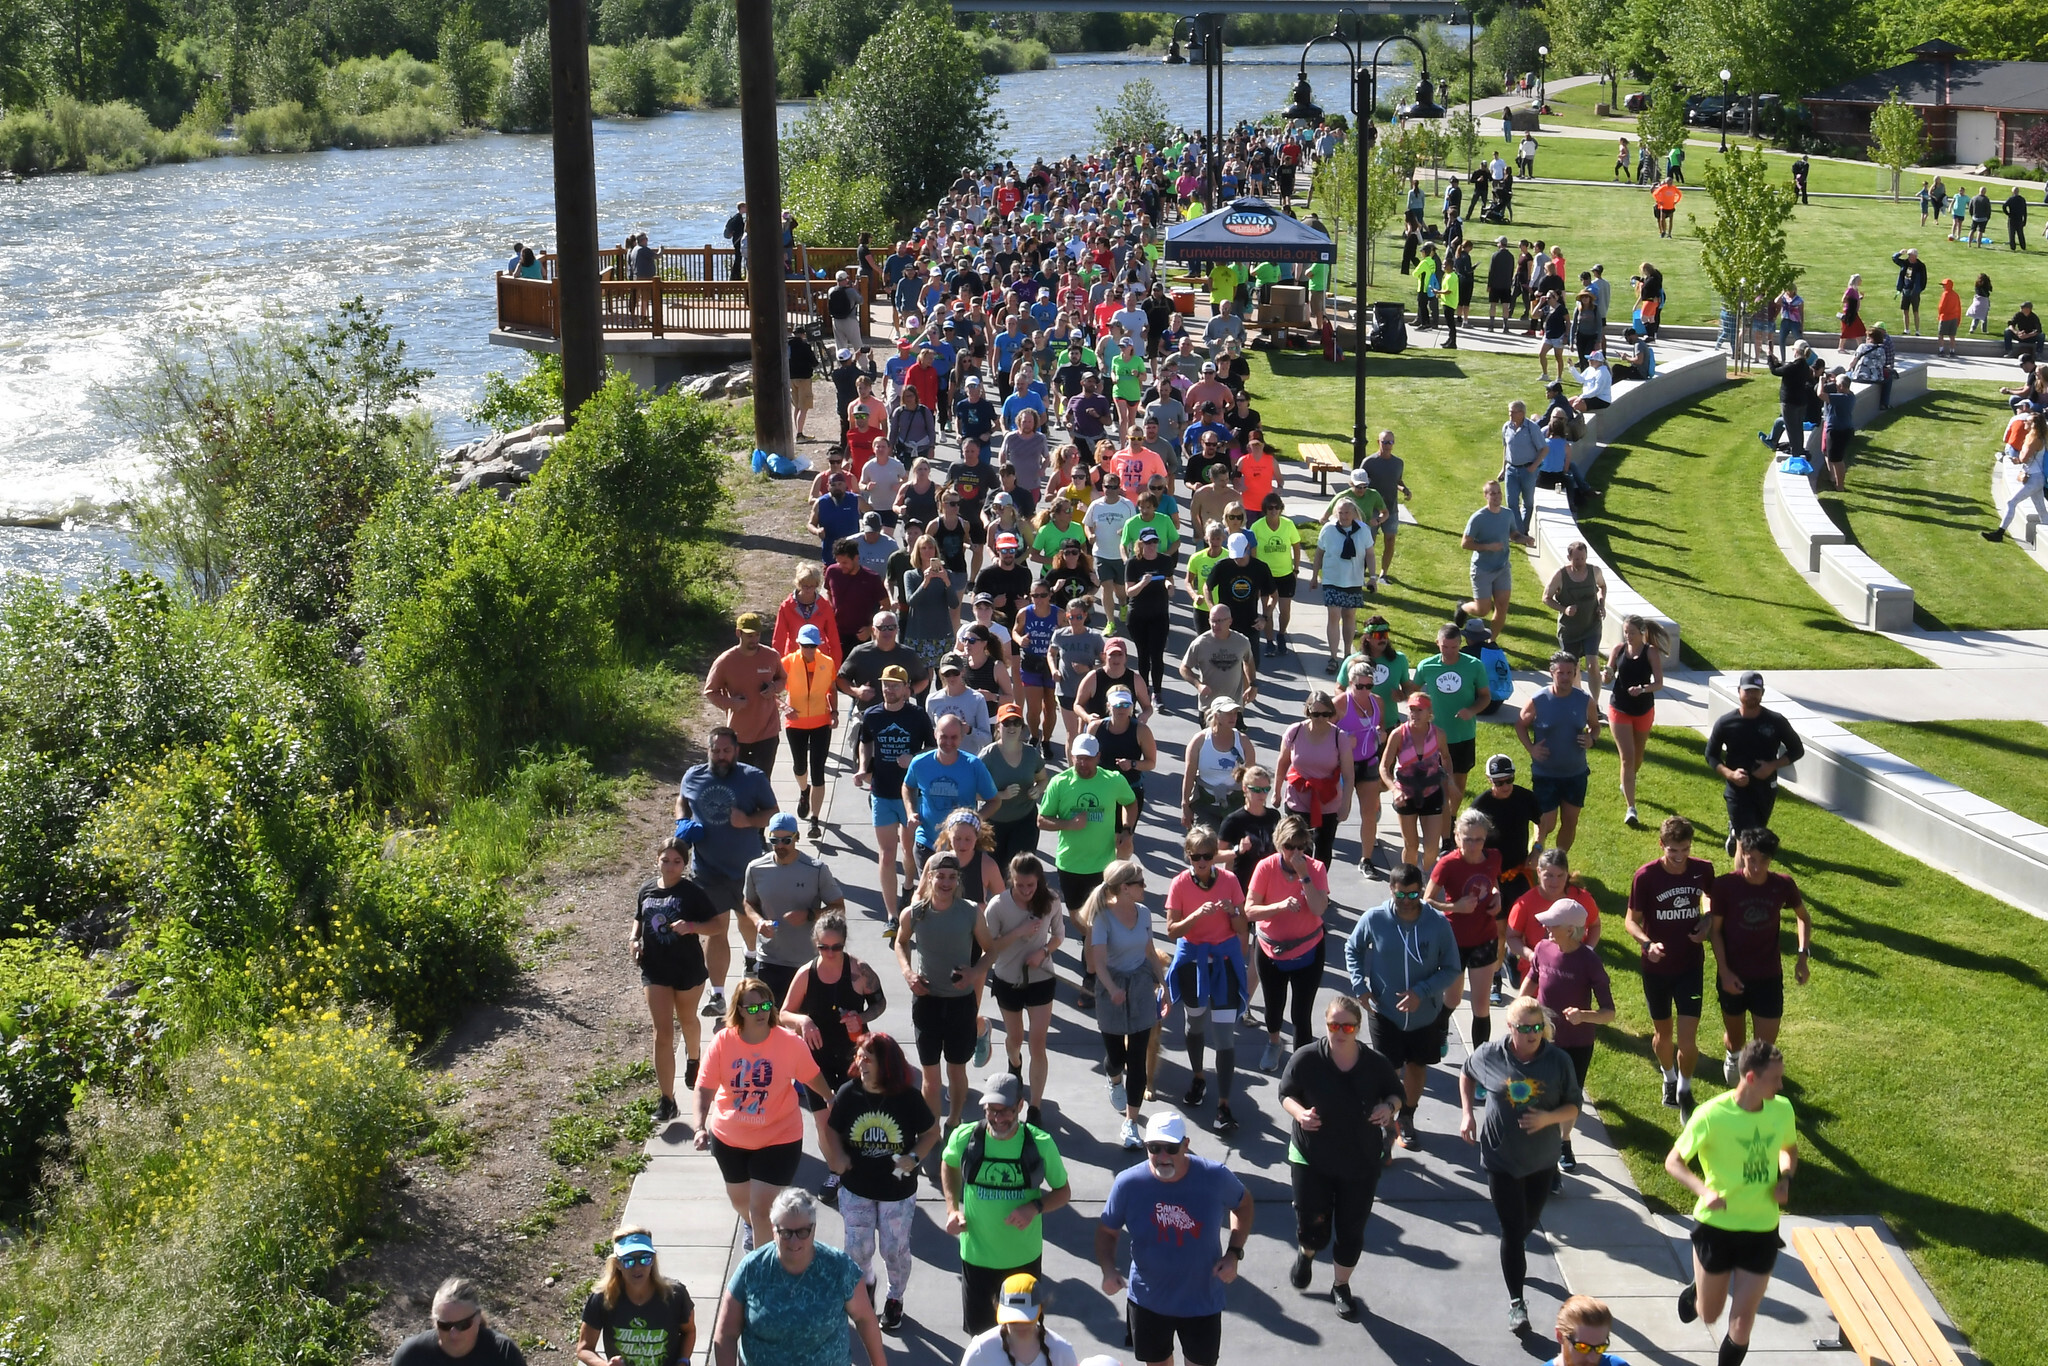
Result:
[
  {"x": 1669, "y": 906},
  {"x": 925, "y": 379},
  {"x": 1522, "y": 915},
  {"x": 1183, "y": 897},
  {"x": 1751, "y": 918},
  {"x": 856, "y": 597},
  {"x": 1294, "y": 933},
  {"x": 1259, "y": 470},
  {"x": 1480, "y": 881}
]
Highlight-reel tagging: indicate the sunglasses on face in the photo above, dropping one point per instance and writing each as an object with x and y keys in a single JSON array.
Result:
[
  {"x": 1267, "y": 788},
  {"x": 636, "y": 1259},
  {"x": 455, "y": 1325},
  {"x": 796, "y": 1235},
  {"x": 1161, "y": 1149},
  {"x": 1297, "y": 848},
  {"x": 759, "y": 1008},
  {"x": 1204, "y": 856},
  {"x": 1321, "y": 714},
  {"x": 782, "y": 839},
  {"x": 1588, "y": 1348},
  {"x": 1407, "y": 896},
  {"x": 1341, "y": 1026},
  {"x": 1529, "y": 1029},
  {"x": 833, "y": 948}
]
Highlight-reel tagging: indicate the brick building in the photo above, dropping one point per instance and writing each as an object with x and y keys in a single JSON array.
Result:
[{"x": 1974, "y": 111}]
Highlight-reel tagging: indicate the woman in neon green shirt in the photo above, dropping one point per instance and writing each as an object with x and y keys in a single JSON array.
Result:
[{"x": 1127, "y": 374}]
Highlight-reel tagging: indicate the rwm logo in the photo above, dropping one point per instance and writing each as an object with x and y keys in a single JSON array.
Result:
[{"x": 1248, "y": 224}]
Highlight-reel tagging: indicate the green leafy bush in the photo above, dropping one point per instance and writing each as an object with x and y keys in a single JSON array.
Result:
[
  {"x": 637, "y": 80},
  {"x": 833, "y": 207},
  {"x": 287, "y": 126},
  {"x": 204, "y": 1225},
  {"x": 509, "y": 404},
  {"x": 526, "y": 100}
]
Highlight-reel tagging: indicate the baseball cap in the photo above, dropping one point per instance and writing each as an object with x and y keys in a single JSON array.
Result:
[
  {"x": 1359, "y": 477},
  {"x": 1207, "y": 366},
  {"x": 846, "y": 353},
  {"x": 1240, "y": 544},
  {"x": 1166, "y": 1126},
  {"x": 895, "y": 673},
  {"x": 1077, "y": 335},
  {"x": 1751, "y": 679},
  {"x": 980, "y": 598},
  {"x": 903, "y": 343},
  {"x": 1003, "y": 500},
  {"x": 952, "y": 664},
  {"x": 1001, "y": 1088},
  {"x": 973, "y": 381},
  {"x": 1563, "y": 911},
  {"x": 1006, "y": 542},
  {"x": 1009, "y": 711},
  {"x": 945, "y": 861},
  {"x": 1224, "y": 704},
  {"x": 749, "y": 621},
  {"x": 810, "y": 635},
  {"x": 1019, "y": 1301},
  {"x": 873, "y": 521},
  {"x": 1148, "y": 534},
  {"x": 1086, "y": 747},
  {"x": 782, "y": 823},
  {"x": 1500, "y": 766}
]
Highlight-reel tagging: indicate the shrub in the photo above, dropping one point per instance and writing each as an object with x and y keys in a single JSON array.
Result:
[
  {"x": 635, "y": 80},
  {"x": 203, "y": 1226},
  {"x": 285, "y": 127},
  {"x": 526, "y": 100},
  {"x": 833, "y": 207},
  {"x": 637, "y": 481},
  {"x": 535, "y": 396}
]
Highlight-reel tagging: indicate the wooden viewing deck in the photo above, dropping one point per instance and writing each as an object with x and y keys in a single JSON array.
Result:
[{"x": 694, "y": 308}]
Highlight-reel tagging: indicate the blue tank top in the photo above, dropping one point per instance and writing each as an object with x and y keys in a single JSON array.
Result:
[{"x": 1559, "y": 723}]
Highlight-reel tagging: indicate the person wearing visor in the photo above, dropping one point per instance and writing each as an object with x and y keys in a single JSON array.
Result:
[{"x": 634, "y": 1313}]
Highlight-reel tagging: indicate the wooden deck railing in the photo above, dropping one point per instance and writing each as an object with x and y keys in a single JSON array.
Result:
[{"x": 694, "y": 293}]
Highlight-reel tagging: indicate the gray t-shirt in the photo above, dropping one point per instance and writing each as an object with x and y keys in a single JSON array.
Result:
[
  {"x": 972, "y": 709},
  {"x": 1126, "y": 946},
  {"x": 1027, "y": 453},
  {"x": 1080, "y": 651},
  {"x": 1172, "y": 415},
  {"x": 874, "y": 555},
  {"x": 1558, "y": 725},
  {"x": 1488, "y": 525},
  {"x": 1384, "y": 474},
  {"x": 944, "y": 940},
  {"x": 930, "y": 614},
  {"x": 1022, "y": 774},
  {"x": 1005, "y": 915},
  {"x": 1219, "y": 664},
  {"x": 1544, "y": 1082},
  {"x": 789, "y": 893}
]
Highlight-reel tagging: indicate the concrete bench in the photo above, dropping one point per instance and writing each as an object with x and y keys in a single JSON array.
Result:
[
  {"x": 1798, "y": 522},
  {"x": 1862, "y": 590},
  {"x": 1880, "y": 1317},
  {"x": 1635, "y": 400},
  {"x": 1910, "y": 383},
  {"x": 2026, "y": 525},
  {"x": 1555, "y": 528}
]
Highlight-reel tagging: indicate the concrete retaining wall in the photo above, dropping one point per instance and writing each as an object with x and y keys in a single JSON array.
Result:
[
  {"x": 2026, "y": 526},
  {"x": 1638, "y": 399},
  {"x": 1933, "y": 820},
  {"x": 1854, "y": 584},
  {"x": 1555, "y": 529}
]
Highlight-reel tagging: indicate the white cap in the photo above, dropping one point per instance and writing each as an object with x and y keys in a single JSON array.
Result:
[
  {"x": 1085, "y": 746},
  {"x": 1240, "y": 544},
  {"x": 1166, "y": 1126},
  {"x": 1359, "y": 476},
  {"x": 1563, "y": 911}
]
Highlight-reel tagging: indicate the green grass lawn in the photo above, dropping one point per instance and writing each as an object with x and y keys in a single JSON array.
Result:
[
  {"x": 1918, "y": 1096},
  {"x": 1919, "y": 492},
  {"x": 2006, "y": 761},
  {"x": 1681, "y": 518}
]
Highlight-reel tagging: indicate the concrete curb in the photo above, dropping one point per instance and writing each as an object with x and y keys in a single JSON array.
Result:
[
  {"x": 2026, "y": 529},
  {"x": 1929, "y": 818}
]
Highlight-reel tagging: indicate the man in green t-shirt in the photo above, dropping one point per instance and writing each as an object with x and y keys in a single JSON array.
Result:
[
  {"x": 1372, "y": 509},
  {"x": 1059, "y": 528},
  {"x": 1389, "y": 667},
  {"x": 1086, "y": 804},
  {"x": 1278, "y": 542},
  {"x": 1747, "y": 1144},
  {"x": 997, "y": 1197},
  {"x": 1456, "y": 684}
]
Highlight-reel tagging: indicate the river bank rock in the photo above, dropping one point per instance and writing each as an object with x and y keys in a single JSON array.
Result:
[
  {"x": 503, "y": 461},
  {"x": 735, "y": 382}
]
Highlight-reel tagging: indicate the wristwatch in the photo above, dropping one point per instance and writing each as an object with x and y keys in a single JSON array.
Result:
[{"x": 1236, "y": 1251}]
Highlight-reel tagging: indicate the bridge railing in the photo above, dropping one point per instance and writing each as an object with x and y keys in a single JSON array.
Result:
[{"x": 695, "y": 292}]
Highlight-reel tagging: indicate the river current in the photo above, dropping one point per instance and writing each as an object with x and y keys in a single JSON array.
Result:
[{"x": 92, "y": 268}]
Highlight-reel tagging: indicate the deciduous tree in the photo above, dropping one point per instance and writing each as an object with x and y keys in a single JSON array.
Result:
[{"x": 1898, "y": 137}]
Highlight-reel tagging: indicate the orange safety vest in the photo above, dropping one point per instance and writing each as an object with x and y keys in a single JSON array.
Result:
[{"x": 810, "y": 690}]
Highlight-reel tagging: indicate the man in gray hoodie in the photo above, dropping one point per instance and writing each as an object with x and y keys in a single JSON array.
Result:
[{"x": 1400, "y": 958}]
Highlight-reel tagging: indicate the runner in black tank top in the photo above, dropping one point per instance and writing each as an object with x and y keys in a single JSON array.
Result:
[
  {"x": 1125, "y": 746},
  {"x": 922, "y": 508},
  {"x": 1633, "y": 672},
  {"x": 1098, "y": 701}
]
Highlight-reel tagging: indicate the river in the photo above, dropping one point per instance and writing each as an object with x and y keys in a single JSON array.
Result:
[{"x": 93, "y": 268}]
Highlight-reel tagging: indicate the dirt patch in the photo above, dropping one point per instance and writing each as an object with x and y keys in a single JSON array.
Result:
[{"x": 551, "y": 1059}]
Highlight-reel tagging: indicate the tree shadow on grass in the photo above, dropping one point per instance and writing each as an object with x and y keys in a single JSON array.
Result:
[{"x": 1964, "y": 735}]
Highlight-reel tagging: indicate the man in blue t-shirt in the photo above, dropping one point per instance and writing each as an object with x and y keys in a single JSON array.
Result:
[
  {"x": 941, "y": 781},
  {"x": 1489, "y": 535},
  {"x": 721, "y": 808},
  {"x": 1175, "y": 1205}
]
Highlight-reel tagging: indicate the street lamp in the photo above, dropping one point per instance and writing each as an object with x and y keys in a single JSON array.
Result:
[
  {"x": 1542, "y": 78},
  {"x": 1726, "y": 76},
  {"x": 1364, "y": 98}
]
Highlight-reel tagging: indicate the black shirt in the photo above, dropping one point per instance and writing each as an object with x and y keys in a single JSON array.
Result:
[
  {"x": 664, "y": 950},
  {"x": 1240, "y": 587},
  {"x": 1151, "y": 599},
  {"x": 874, "y": 1129},
  {"x": 1242, "y": 824},
  {"x": 492, "y": 1348},
  {"x": 887, "y": 736},
  {"x": 971, "y": 483},
  {"x": 1346, "y": 1140},
  {"x": 1511, "y": 816},
  {"x": 1739, "y": 741},
  {"x": 1010, "y": 587},
  {"x": 649, "y": 1334}
]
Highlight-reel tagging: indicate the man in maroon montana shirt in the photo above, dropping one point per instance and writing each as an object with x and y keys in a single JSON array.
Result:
[
  {"x": 1748, "y": 906},
  {"x": 857, "y": 593},
  {"x": 1667, "y": 915}
]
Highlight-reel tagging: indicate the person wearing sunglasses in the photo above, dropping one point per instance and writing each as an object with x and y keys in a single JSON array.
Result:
[
  {"x": 878, "y": 1133},
  {"x": 1129, "y": 970},
  {"x": 1207, "y": 975},
  {"x": 795, "y": 1299},
  {"x": 1342, "y": 1097},
  {"x": 460, "y": 1332},
  {"x": 1286, "y": 900},
  {"x": 1176, "y": 1206},
  {"x": 1038, "y": 621},
  {"x": 1585, "y": 1330},
  {"x": 671, "y": 914},
  {"x": 1317, "y": 761},
  {"x": 635, "y": 1313},
  {"x": 1532, "y": 1100},
  {"x": 783, "y": 894},
  {"x": 831, "y": 1002},
  {"x": 747, "y": 1111},
  {"x": 1416, "y": 764},
  {"x": 1401, "y": 956},
  {"x": 1464, "y": 885}
]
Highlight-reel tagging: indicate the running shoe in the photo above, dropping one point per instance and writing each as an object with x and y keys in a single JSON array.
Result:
[
  {"x": 690, "y": 1074},
  {"x": 981, "y": 1045},
  {"x": 1387, "y": 1136},
  {"x": 746, "y": 1235},
  {"x": 1686, "y": 1105},
  {"x": 892, "y": 1315},
  {"x": 1566, "y": 1160},
  {"x": 1034, "y": 1116},
  {"x": 1629, "y": 817},
  {"x": 1330, "y": 666},
  {"x": 1118, "y": 1100},
  {"x": 1270, "y": 1059},
  {"x": 1411, "y": 1137},
  {"x": 666, "y": 1111},
  {"x": 1017, "y": 1069},
  {"x": 1349, "y": 1306},
  {"x": 1556, "y": 1182},
  {"x": 1130, "y": 1137},
  {"x": 1730, "y": 1068},
  {"x": 1304, "y": 1267},
  {"x": 1193, "y": 1095},
  {"x": 1689, "y": 1304},
  {"x": 1226, "y": 1122},
  {"x": 828, "y": 1194},
  {"x": 817, "y": 830},
  {"x": 1518, "y": 1316},
  {"x": 1671, "y": 1093},
  {"x": 714, "y": 1005},
  {"x": 803, "y": 803}
]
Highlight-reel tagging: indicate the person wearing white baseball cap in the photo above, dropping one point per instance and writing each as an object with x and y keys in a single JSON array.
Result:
[
  {"x": 1020, "y": 1337},
  {"x": 1242, "y": 584},
  {"x": 1086, "y": 804},
  {"x": 1566, "y": 975},
  {"x": 811, "y": 710},
  {"x": 1176, "y": 1206}
]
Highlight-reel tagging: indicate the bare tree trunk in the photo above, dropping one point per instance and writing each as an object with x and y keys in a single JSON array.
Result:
[{"x": 582, "y": 331}]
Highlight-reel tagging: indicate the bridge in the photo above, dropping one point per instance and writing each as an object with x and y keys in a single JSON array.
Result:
[{"x": 695, "y": 309}]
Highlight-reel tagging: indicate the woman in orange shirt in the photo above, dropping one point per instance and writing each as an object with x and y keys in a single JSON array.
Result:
[
  {"x": 1664, "y": 205},
  {"x": 1260, "y": 472},
  {"x": 806, "y": 605},
  {"x": 1948, "y": 315},
  {"x": 747, "y": 1111},
  {"x": 810, "y": 709}
]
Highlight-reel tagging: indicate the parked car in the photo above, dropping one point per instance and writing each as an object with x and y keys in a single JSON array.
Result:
[{"x": 1704, "y": 111}]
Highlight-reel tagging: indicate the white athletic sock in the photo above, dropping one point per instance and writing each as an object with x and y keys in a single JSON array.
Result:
[{"x": 1670, "y": 1073}]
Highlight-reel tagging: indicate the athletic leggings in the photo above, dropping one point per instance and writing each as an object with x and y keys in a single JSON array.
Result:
[
  {"x": 1125, "y": 1054},
  {"x": 1334, "y": 1207},
  {"x": 1518, "y": 1203},
  {"x": 1148, "y": 635},
  {"x": 891, "y": 1221},
  {"x": 1326, "y": 839},
  {"x": 1305, "y": 980}
]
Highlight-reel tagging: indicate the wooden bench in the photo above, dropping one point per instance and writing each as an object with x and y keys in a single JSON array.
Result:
[
  {"x": 1881, "y": 1319},
  {"x": 1322, "y": 463}
]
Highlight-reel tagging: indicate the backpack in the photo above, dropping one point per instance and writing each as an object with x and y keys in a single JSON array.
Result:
[
  {"x": 1868, "y": 366},
  {"x": 1031, "y": 1159},
  {"x": 1500, "y": 679}
]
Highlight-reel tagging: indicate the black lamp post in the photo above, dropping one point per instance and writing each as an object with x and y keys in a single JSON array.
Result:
[
  {"x": 1364, "y": 97},
  {"x": 1726, "y": 76},
  {"x": 1542, "y": 78}
]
